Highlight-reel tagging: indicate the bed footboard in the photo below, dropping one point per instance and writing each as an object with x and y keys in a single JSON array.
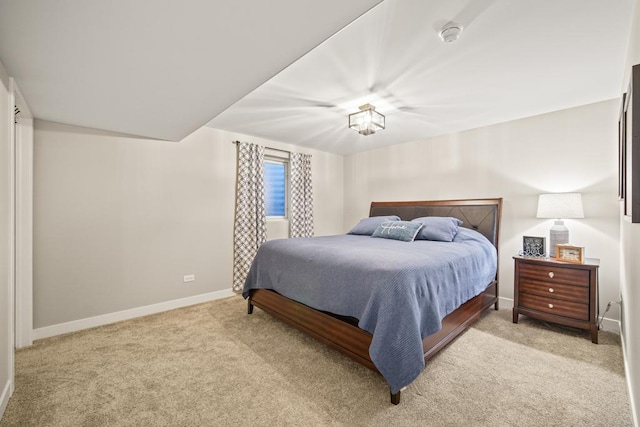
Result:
[{"x": 354, "y": 342}]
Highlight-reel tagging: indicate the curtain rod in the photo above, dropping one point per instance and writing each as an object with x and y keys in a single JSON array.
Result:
[{"x": 275, "y": 149}]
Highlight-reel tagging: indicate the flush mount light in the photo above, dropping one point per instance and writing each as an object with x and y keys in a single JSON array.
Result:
[
  {"x": 367, "y": 121},
  {"x": 450, "y": 32}
]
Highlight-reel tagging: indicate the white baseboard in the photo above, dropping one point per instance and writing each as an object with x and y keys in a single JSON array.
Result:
[
  {"x": 632, "y": 400},
  {"x": 4, "y": 397},
  {"x": 105, "y": 319},
  {"x": 609, "y": 325},
  {"x": 505, "y": 303}
]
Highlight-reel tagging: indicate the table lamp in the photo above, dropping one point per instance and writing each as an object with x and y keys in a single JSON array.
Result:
[{"x": 559, "y": 206}]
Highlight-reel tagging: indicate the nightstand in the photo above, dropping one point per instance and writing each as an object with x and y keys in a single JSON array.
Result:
[{"x": 558, "y": 292}]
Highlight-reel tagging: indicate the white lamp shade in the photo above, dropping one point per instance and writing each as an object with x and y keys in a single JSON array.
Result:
[{"x": 560, "y": 205}]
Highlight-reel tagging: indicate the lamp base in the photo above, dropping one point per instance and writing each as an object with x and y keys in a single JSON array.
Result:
[{"x": 558, "y": 235}]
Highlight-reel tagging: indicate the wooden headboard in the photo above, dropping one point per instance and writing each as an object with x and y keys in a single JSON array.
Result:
[{"x": 482, "y": 215}]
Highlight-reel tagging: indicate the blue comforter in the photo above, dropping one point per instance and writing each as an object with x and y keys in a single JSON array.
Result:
[{"x": 399, "y": 291}]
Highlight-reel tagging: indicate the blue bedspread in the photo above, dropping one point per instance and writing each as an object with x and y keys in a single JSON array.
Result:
[{"x": 399, "y": 291}]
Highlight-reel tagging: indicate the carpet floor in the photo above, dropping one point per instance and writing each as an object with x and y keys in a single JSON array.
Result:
[{"x": 212, "y": 364}]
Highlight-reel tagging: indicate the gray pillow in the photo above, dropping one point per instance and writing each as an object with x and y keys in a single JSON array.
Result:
[
  {"x": 398, "y": 230},
  {"x": 439, "y": 228},
  {"x": 367, "y": 226}
]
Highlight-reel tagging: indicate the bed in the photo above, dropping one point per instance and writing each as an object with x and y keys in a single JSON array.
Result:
[{"x": 367, "y": 333}]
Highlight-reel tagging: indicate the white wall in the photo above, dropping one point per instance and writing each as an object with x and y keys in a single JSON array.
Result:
[
  {"x": 569, "y": 150},
  {"x": 630, "y": 248},
  {"x": 6, "y": 275},
  {"x": 119, "y": 220}
]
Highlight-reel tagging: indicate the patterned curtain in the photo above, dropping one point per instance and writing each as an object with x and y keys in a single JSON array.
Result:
[
  {"x": 250, "y": 229},
  {"x": 301, "y": 221}
]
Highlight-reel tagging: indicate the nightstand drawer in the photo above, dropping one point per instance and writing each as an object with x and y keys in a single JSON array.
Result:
[
  {"x": 555, "y": 306},
  {"x": 554, "y": 274},
  {"x": 578, "y": 294}
]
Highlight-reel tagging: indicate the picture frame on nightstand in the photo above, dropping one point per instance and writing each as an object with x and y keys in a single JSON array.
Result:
[
  {"x": 534, "y": 246},
  {"x": 570, "y": 253}
]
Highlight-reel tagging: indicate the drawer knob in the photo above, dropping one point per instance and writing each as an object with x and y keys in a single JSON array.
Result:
[
  {"x": 550, "y": 305},
  {"x": 551, "y": 274},
  {"x": 551, "y": 290}
]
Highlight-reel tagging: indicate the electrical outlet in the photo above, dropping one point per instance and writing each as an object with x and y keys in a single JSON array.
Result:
[{"x": 189, "y": 278}]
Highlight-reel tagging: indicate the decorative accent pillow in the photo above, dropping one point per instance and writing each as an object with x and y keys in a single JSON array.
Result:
[
  {"x": 367, "y": 226},
  {"x": 398, "y": 230},
  {"x": 439, "y": 228}
]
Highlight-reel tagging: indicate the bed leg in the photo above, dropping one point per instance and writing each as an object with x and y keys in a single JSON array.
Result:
[
  {"x": 395, "y": 398},
  {"x": 249, "y": 307},
  {"x": 495, "y": 306}
]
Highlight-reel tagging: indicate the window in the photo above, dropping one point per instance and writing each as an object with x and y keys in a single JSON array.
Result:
[{"x": 275, "y": 187}]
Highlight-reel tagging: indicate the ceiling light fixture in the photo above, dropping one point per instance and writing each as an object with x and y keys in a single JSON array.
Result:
[
  {"x": 367, "y": 121},
  {"x": 450, "y": 32}
]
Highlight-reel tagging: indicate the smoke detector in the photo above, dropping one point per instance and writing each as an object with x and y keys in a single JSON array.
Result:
[{"x": 450, "y": 32}]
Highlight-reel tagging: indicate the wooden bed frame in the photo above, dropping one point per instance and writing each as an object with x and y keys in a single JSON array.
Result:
[{"x": 340, "y": 334}]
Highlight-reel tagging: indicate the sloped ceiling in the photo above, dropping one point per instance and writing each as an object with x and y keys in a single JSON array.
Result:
[
  {"x": 162, "y": 69},
  {"x": 514, "y": 59},
  {"x": 159, "y": 69}
]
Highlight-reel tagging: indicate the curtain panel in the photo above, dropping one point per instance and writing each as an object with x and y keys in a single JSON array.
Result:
[
  {"x": 250, "y": 227},
  {"x": 301, "y": 218}
]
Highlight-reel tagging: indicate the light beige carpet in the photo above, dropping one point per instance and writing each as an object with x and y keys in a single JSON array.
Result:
[{"x": 212, "y": 364}]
